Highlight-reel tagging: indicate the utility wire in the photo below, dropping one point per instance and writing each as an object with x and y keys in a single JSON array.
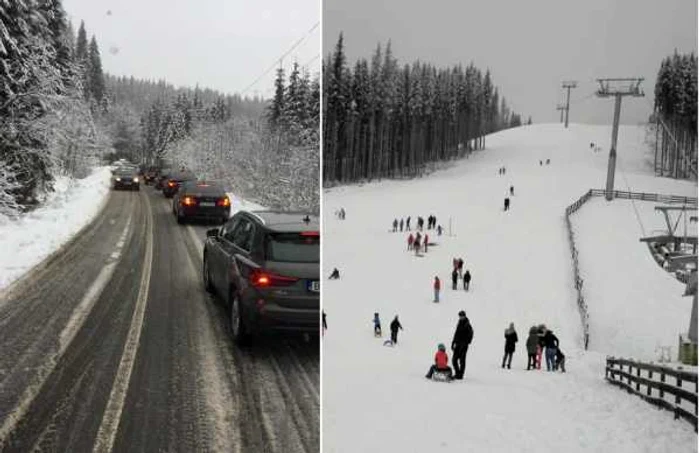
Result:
[{"x": 294, "y": 46}]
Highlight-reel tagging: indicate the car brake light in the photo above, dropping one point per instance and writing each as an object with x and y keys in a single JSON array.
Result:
[
  {"x": 309, "y": 233},
  {"x": 188, "y": 201},
  {"x": 261, "y": 279},
  {"x": 171, "y": 184},
  {"x": 224, "y": 202}
]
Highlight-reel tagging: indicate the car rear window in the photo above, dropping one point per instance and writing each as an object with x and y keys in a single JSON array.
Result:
[
  {"x": 204, "y": 189},
  {"x": 294, "y": 247}
]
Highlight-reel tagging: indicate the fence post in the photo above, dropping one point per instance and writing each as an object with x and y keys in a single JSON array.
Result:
[
  {"x": 629, "y": 375},
  {"x": 663, "y": 380},
  {"x": 679, "y": 384},
  {"x": 639, "y": 370},
  {"x": 649, "y": 385}
]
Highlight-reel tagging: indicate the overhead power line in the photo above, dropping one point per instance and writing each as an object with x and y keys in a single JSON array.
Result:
[{"x": 294, "y": 46}]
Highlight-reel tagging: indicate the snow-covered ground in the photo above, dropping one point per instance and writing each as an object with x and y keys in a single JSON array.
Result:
[
  {"x": 28, "y": 240},
  {"x": 376, "y": 398}
]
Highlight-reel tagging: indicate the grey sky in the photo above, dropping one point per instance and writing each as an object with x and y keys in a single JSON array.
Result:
[
  {"x": 220, "y": 44},
  {"x": 530, "y": 46}
]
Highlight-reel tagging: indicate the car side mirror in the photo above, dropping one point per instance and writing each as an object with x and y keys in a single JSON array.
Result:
[{"x": 212, "y": 233}]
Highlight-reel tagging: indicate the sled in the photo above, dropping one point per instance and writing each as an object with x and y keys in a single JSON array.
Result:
[{"x": 441, "y": 376}]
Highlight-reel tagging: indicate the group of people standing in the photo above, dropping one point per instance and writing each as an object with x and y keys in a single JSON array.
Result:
[
  {"x": 541, "y": 339},
  {"x": 457, "y": 267},
  {"x": 414, "y": 242},
  {"x": 398, "y": 224}
]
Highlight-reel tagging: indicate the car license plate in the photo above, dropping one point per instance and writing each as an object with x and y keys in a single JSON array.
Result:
[
  {"x": 314, "y": 286},
  {"x": 207, "y": 204}
]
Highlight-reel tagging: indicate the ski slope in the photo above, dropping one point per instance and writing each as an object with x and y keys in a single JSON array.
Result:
[{"x": 376, "y": 398}]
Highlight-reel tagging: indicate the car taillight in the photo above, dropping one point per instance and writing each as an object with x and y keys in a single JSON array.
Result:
[
  {"x": 188, "y": 201},
  {"x": 262, "y": 279},
  {"x": 309, "y": 234},
  {"x": 171, "y": 183},
  {"x": 225, "y": 202}
]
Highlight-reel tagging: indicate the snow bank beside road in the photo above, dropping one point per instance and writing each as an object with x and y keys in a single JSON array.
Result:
[{"x": 28, "y": 240}]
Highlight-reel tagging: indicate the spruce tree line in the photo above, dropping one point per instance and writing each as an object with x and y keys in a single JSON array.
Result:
[
  {"x": 294, "y": 109},
  {"x": 676, "y": 102},
  {"x": 45, "y": 80},
  {"x": 384, "y": 120}
]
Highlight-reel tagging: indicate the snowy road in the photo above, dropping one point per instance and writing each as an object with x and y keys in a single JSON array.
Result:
[{"x": 114, "y": 345}]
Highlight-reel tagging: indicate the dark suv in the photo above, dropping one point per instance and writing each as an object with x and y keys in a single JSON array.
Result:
[
  {"x": 265, "y": 266},
  {"x": 201, "y": 200}
]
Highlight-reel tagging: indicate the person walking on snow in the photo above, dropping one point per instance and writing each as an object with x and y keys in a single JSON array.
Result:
[
  {"x": 512, "y": 191},
  {"x": 417, "y": 244},
  {"x": 454, "y": 278},
  {"x": 377, "y": 325},
  {"x": 395, "y": 225},
  {"x": 410, "y": 242},
  {"x": 551, "y": 342},
  {"x": 441, "y": 363},
  {"x": 408, "y": 223},
  {"x": 394, "y": 327},
  {"x": 439, "y": 230},
  {"x": 532, "y": 346},
  {"x": 511, "y": 337},
  {"x": 401, "y": 225},
  {"x": 436, "y": 289},
  {"x": 463, "y": 337},
  {"x": 460, "y": 266},
  {"x": 506, "y": 204},
  {"x": 425, "y": 242},
  {"x": 467, "y": 280}
]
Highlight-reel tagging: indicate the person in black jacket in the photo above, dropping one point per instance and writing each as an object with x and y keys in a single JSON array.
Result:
[
  {"x": 511, "y": 338},
  {"x": 467, "y": 280},
  {"x": 394, "y": 327},
  {"x": 551, "y": 342},
  {"x": 460, "y": 344},
  {"x": 454, "y": 278}
]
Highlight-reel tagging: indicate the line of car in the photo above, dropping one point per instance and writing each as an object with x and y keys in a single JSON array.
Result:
[{"x": 264, "y": 265}]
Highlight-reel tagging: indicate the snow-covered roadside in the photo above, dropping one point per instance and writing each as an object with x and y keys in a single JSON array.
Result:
[
  {"x": 28, "y": 240},
  {"x": 239, "y": 204}
]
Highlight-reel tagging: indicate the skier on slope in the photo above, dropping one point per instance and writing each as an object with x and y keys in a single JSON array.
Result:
[
  {"x": 464, "y": 334},
  {"x": 441, "y": 363},
  {"x": 511, "y": 337}
]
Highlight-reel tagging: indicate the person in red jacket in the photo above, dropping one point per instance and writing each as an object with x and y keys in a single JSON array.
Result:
[
  {"x": 410, "y": 242},
  {"x": 436, "y": 288},
  {"x": 441, "y": 363}
]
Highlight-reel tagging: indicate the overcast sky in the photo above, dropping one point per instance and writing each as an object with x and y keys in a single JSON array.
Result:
[
  {"x": 220, "y": 44},
  {"x": 530, "y": 46}
]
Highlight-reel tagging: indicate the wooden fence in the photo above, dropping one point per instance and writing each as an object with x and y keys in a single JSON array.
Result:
[
  {"x": 676, "y": 395},
  {"x": 572, "y": 208}
]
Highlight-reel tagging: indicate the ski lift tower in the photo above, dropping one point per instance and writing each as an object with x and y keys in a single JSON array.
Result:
[{"x": 617, "y": 88}]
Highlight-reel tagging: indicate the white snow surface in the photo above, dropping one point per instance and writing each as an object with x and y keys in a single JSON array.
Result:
[
  {"x": 32, "y": 237},
  {"x": 377, "y": 399}
]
